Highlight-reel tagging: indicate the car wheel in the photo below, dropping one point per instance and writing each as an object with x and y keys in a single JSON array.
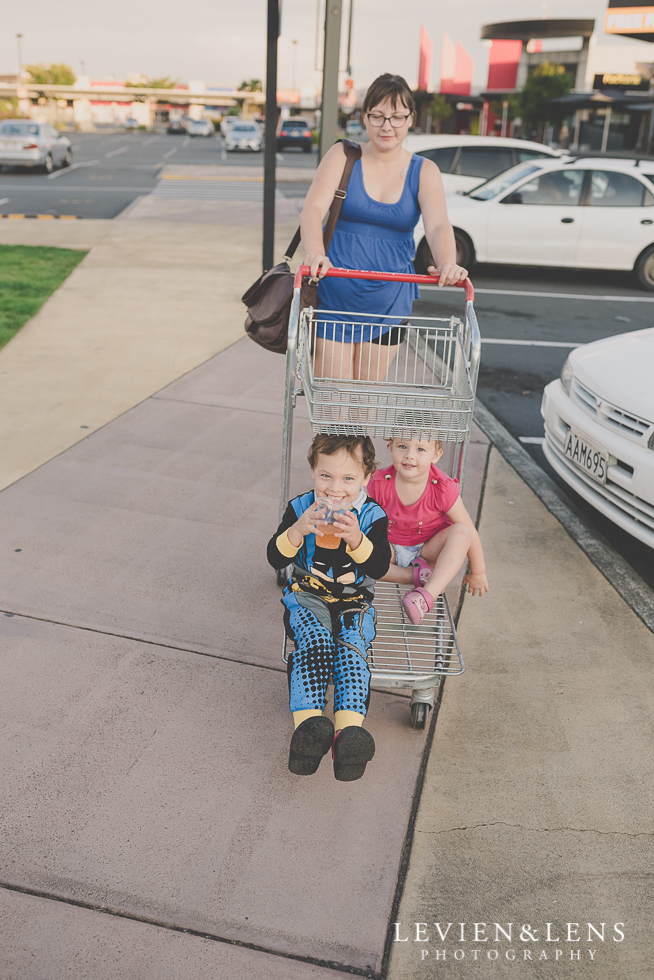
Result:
[
  {"x": 307, "y": 149},
  {"x": 68, "y": 159},
  {"x": 645, "y": 269},
  {"x": 48, "y": 166},
  {"x": 465, "y": 252},
  {"x": 423, "y": 258}
]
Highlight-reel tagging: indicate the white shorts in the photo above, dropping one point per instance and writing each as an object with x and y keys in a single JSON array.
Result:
[{"x": 405, "y": 553}]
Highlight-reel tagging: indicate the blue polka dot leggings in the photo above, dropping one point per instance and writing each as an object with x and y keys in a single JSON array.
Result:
[{"x": 319, "y": 652}]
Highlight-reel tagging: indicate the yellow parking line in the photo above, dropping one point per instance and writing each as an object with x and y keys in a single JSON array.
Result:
[
  {"x": 68, "y": 217},
  {"x": 15, "y": 215},
  {"x": 46, "y": 217}
]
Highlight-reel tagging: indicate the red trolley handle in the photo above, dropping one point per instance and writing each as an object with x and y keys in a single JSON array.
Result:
[{"x": 304, "y": 271}]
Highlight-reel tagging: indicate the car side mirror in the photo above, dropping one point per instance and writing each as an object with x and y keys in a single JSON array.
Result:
[{"x": 515, "y": 198}]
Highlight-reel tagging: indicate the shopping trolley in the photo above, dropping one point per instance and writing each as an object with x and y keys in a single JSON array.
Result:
[{"x": 427, "y": 392}]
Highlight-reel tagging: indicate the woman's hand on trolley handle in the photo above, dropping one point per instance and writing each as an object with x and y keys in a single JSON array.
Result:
[
  {"x": 450, "y": 273},
  {"x": 319, "y": 264}
]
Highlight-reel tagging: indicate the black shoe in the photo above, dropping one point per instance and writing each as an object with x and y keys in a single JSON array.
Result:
[
  {"x": 310, "y": 741},
  {"x": 353, "y": 748}
]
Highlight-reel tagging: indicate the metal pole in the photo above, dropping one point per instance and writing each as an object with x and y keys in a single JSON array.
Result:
[
  {"x": 349, "y": 41},
  {"x": 329, "y": 110},
  {"x": 607, "y": 125},
  {"x": 269, "y": 158},
  {"x": 19, "y": 38}
]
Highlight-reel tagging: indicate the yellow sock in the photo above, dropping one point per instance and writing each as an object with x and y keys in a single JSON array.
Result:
[
  {"x": 300, "y": 716},
  {"x": 344, "y": 719}
]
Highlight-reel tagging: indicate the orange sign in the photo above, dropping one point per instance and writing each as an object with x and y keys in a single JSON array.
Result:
[{"x": 629, "y": 20}]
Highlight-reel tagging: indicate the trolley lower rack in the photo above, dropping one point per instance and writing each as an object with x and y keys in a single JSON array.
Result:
[{"x": 407, "y": 656}]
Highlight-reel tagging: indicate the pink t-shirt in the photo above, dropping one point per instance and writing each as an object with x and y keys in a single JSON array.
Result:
[{"x": 420, "y": 521}]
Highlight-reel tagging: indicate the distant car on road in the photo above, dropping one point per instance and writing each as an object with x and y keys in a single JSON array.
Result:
[
  {"x": 586, "y": 213},
  {"x": 244, "y": 136},
  {"x": 599, "y": 428},
  {"x": 131, "y": 123},
  {"x": 24, "y": 143},
  {"x": 353, "y": 128},
  {"x": 227, "y": 123},
  {"x": 294, "y": 132},
  {"x": 176, "y": 127},
  {"x": 466, "y": 162},
  {"x": 199, "y": 127}
]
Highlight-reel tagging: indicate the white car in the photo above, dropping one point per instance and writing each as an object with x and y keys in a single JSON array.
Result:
[
  {"x": 199, "y": 127},
  {"x": 466, "y": 162},
  {"x": 591, "y": 213},
  {"x": 24, "y": 143},
  {"x": 599, "y": 428},
  {"x": 244, "y": 136}
]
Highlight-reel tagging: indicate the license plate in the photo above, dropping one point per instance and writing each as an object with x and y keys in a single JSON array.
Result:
[{"x": 587, "y": 458}]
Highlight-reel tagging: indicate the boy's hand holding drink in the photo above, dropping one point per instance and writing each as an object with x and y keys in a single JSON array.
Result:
[
  {"x": 347, "y": 529},
  {"x": 309, "y": 522}
]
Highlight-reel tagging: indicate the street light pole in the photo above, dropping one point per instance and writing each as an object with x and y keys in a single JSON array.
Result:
[
  {"x": 270, "y": 136},
  {"x": 329, "y": 108},
  {"x": 19, "y": 38}
]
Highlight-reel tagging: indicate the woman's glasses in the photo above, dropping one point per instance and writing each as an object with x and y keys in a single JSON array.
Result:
[{"x": 397, "y": 120}]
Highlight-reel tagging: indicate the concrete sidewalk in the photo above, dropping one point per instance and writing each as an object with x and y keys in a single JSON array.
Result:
[{"x": 144, "y": 698}]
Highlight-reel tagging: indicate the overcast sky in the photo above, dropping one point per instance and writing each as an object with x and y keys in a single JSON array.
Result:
[{"x": 223, "y": 42}]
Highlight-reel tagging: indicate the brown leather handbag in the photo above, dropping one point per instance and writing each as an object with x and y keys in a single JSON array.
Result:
[{"x": 269, "y": 299}]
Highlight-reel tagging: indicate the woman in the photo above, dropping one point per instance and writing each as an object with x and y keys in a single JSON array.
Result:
[{"x": 388, "y": 190}]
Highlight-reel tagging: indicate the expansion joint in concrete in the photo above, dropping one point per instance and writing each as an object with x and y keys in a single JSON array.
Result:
[
  {"x": 173, "y": 927},
  {"x": 536, "y": 830}
]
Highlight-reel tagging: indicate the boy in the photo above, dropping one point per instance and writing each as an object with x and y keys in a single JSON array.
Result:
[
  {"x": 430, "y": 529},
  {"x": 328, "y": 603}
]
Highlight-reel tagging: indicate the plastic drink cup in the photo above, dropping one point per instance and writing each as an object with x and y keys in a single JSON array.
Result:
[{"x": 329, "y": 511}]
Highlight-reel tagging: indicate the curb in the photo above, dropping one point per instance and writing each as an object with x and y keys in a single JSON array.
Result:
[
  {"x": 627, "y": 583},
  {"x": 42, "y": 217}
]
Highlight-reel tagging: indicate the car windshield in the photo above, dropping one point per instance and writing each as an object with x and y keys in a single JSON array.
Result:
[
  {"x": 245, "y": 129},
  {"x": 503, "y": 181},
  {"x": 295, "y": 124},
  {"x": 19, "y": 129}
]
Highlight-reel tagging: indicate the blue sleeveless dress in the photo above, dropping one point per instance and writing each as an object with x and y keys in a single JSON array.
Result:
[{"x": 370, "y": 235}]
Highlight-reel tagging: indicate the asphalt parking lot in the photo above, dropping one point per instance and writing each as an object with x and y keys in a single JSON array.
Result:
[
  {"x": 529, "y": 320},
  {"x": 110, "y": 170}
]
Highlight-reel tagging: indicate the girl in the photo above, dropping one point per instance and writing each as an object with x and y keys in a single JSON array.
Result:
[{"x": 429, "y": 528}]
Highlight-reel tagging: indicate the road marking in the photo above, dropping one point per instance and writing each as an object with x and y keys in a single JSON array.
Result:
[
  {"x": 187, "y": 139},
  {"x": 537, "y": 295},
  {"x": 532, "y": 440},
  {"x": 170, "y": 152},
  {"x": 4, "y": 200},
  {"x": 530, "y": 343},
  {"x": 279, "y": 158},
  {"x": 153, "y": 139},
  {"x": 94, "y": 190},
  {"x": 223, "y": 154},
  {"x": 46, "y": 217},
  {"x": 73, "y": 166},
  {"x": 256, "y": 180},
  {"x": 114, "y": 153}
]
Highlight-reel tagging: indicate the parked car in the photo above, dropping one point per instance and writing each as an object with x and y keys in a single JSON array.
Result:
[
  {"x": 227, "y": 123},
  {"x": 176, "y": 127},
  {"x": 24, "y": 143},
  {"x": 199, "y": 127},
  {"x": 244, "y": 136},
  {"x": 599, "y": 428},
  {"x": 587, "y": 213},
  {"x": 353, "y": 129},
  {"x": 294, "y": 132},
  {"x": 468, "y": 161},
  {"x": 131, "y": 123}
]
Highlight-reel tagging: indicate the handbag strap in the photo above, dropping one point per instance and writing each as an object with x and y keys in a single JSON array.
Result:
[{"x": 352, "y": 154}]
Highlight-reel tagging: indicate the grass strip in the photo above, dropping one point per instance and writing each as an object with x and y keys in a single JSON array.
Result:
[{"x": 29, "y": 274}]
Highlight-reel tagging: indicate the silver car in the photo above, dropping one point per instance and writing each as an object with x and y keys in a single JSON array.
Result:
[
  {"x": 244, "y": 136},
  {"x": 199, "y": 127},
  {"x": 24, "y": 143}
]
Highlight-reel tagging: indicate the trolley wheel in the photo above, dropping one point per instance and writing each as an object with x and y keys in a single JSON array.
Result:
[
  {"x": 419, "y": 714},
  {"x": 282, "y": 577}
]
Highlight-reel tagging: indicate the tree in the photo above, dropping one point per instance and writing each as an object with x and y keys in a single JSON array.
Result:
[
  {"x": 254, "y": 85},
  {"x": 440, "y": 110},
  {"x": 548, "y": 81},
  {"x": 51, "y": 74},
  {"x": 144, "y": 82}
]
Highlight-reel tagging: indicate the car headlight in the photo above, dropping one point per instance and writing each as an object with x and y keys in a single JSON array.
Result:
[{"x": 567, "y": 375}]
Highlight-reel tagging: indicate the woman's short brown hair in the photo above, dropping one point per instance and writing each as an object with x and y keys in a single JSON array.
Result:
[
  {"x": 392, "y": 87},
  {"x": 358, "y": 447}
]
